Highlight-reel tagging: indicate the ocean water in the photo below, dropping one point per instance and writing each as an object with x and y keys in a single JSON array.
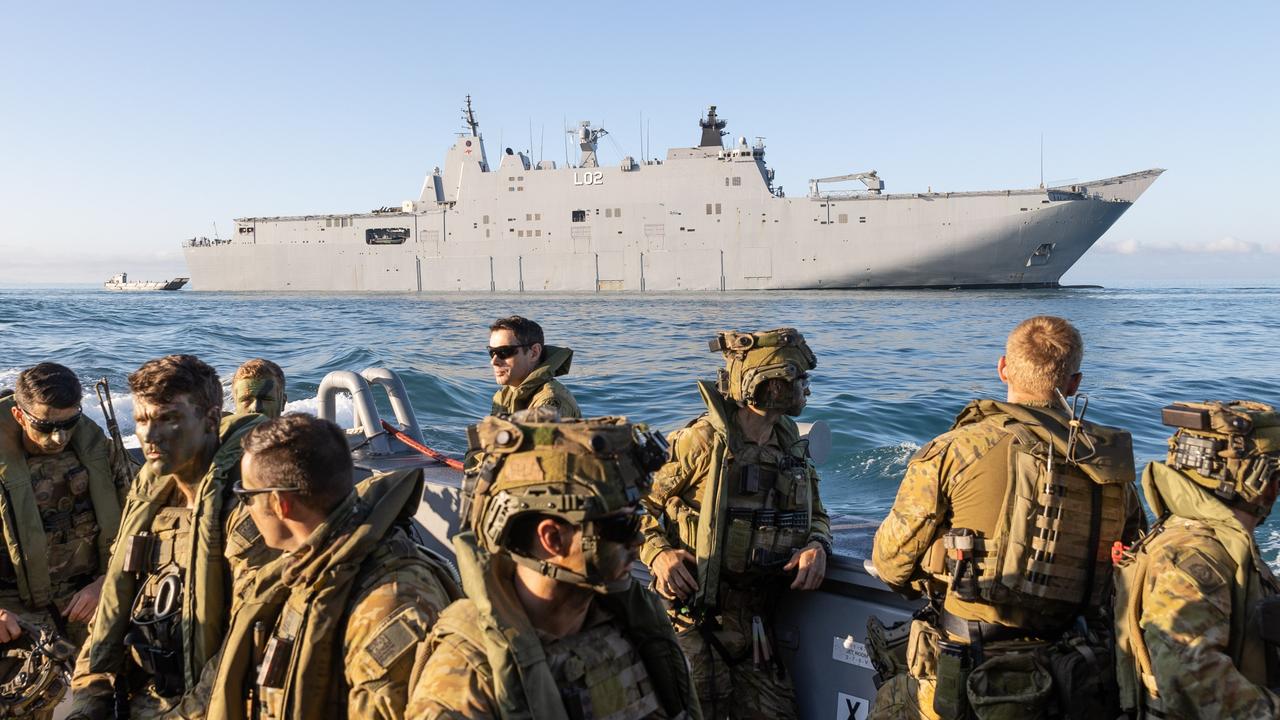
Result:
[{"x": 894, "y": 368}]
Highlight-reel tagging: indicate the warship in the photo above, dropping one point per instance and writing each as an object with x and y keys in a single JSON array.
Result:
[{"x": 704, "y": 218}]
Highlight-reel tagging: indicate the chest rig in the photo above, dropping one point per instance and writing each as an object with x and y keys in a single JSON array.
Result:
[
  {"x": 600, "y": 675},
  {"x": 274, "y": 660},
  {"x": 769, "y": 509},
  {"x": 159, "y": 558},
  {"x": 61, "y": 485}
]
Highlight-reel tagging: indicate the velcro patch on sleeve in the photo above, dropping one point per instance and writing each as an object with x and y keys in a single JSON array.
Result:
[
  {"x": 1203, "y": 571},
  {"x": 247, "y": 530},
  {"x": 396, "y": 638}
]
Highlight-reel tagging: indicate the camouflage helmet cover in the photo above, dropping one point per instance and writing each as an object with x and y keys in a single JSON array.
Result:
[
  {"x": 752, "y": 359},
  {"x": 35, "y": 671},
  {"x": 1231, "y": 448},
  {"x": 575, "y": 470}
]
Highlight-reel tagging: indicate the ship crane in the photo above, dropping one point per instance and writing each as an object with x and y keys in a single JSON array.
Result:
[{"x": 870, "y": 179}]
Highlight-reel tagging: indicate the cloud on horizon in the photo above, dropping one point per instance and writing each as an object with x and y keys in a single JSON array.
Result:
[{"x": 1226, "y": 245}]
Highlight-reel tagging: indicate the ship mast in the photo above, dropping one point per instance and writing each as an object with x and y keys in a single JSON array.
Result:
[
  {"x": 469, "y": 117},
  {"x": 712, "y": 130}
]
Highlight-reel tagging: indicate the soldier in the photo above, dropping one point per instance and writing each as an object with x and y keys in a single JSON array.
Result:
[
  {"x": 1006, "y": 523},
  {"x": 1196, "y": 607},
  {"x": 258, "y": 387},
  {"x": 330, "y": 628},
  {"x": 527, "y": 369},
  {"x": 553, "y": 625},
  {"x": 726, "y": 566},
  {"x": 165, "y": 599},
  {"x": 59, "y": 506}
]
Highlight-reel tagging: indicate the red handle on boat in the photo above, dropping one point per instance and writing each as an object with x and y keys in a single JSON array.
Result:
[{"x": 433, "y": 454}]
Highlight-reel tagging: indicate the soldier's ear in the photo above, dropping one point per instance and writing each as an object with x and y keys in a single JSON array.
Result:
[
  {"x": 17, "y": 416},
  {"x": 1001, "y": 370},
  {"x": 554, "y": 537}
]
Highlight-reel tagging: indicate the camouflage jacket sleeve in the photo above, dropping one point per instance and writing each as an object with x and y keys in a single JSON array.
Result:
[
  {"x": 449, "y": 682},
  {"x": 1186, "y": 624},
  {"x": 674, "y": 500},
  {"x": 119, "y": 472},
  {"x": 908, "y": 531},
  {"x": 384, "y": 628}
]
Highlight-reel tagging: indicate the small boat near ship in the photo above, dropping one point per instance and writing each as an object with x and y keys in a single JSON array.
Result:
[{"x": 121, "y": 282}]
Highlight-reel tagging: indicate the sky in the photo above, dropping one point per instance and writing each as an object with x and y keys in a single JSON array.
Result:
[{"x": 127, "y": 127}]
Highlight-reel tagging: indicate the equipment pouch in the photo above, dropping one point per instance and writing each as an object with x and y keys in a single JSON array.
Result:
[
  {"x": 922, "y": 650},
  {"x": 275, "y": 663},
  {"x": 1010, "y": 687},
  {"x": 887, "y": 648},
  {"x": 738, "y": 543},
  {"x": 1083, "y": 679},
  {"x": 949, "y": 699},
  {"x": 137, "y": 552},
  {"x": 766, "y": 536},
  {"x": 1269, "y": 619}
]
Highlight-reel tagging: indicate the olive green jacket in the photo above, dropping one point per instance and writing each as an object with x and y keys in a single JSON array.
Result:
[
  {"x": 24, "y": 535},
  {"x": 207, "y": 582},
  {"x": 491, "y": 633},
  {"x": 689, "y": 500},
  {"x": 366, "y": 596},
  {"x": 540, "y": 389}
]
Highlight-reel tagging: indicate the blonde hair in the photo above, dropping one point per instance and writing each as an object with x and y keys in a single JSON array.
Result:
[
  {"x": 259, "y": 368},
  {"x": 1041, "y": 354}
]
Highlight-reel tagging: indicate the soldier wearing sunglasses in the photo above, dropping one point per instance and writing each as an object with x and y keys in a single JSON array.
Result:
[
  {"x": 553, "y": 626},
  {"x": 59, "y": 505},
  {"x": 527, "y": 369}
]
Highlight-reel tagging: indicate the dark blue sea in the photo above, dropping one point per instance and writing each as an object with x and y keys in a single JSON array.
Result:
[{"x": 894, "y": 368}]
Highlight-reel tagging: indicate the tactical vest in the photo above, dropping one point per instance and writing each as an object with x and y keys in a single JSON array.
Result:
[
  {"x": 284, "y": 650},
  {"x": 1048, "y": 553},
  {"x": 540, "y": 388},
  {"x": 1191, "y": 517},
  {"x": 206, "y": 584},
  {"x": 756, "y": 506},
  {"x": 504, "y": 648},
  {"x": 600, "y": 674},
  {"x": 25, "y": 538},
  {"x": 154, "y": 636}
]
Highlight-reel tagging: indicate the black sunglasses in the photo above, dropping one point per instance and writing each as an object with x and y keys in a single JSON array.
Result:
[
  {"x": 618, "y": 528},
  {"x": 48, "y": 427},
  {"x": 245, "y": 493},
  {"x": 506, "y": 352}
]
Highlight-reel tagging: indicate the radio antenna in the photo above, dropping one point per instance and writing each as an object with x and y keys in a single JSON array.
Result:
[{"x": 1041, "y": 160}]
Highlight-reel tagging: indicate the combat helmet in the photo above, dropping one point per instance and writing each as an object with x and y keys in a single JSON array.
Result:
[
  {"x": 575, "y": 470},
  {"x": 752, "y": 359},
  {"x": 1232, "y": 449},
  {"x": 35, "y": 671}
]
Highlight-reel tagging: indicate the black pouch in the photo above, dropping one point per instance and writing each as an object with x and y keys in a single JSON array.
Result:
[
  {"x": 887, "y": 648},
  {"x": 1269, "y": 620},
  {"x": 950, "y": 698},
  {"x": 749, "y": 481}
]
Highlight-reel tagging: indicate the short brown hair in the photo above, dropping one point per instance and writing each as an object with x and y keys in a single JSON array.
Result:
[
  {"x": 48, "y": 384},
  {"x": 527, "y": 332},
  {"x": 163, "y": 379},
  {"x": 304, "y": 452},
  {"x": 259, "y": 368},
  {"x": 1041, "y": 355}
]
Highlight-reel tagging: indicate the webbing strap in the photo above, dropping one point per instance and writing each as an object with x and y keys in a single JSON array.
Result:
[{"x": 1095, "y": 529}]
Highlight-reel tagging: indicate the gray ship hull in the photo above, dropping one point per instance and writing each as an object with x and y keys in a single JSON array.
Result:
[{"x": 706, "y": 219}]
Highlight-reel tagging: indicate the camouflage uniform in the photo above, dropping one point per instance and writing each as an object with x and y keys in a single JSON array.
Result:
[
  {"x": 1191, "y": 598},
  {"x": 961, "y": 479},
  {"x": 706, "y": 454},
  {"x": 358, "y": 590},
  {"x": 67, "y": 508},
  {"x": 202, "y": 547},
  {"x": 540, "y": 388},
  {"x": 485, "y": 658}
]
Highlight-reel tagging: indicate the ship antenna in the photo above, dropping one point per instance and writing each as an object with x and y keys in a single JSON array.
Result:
[
  {"x": 469, "y": 117},
  {"x": 1042, "y": 160},
  {"x": 565, "y": 137}
]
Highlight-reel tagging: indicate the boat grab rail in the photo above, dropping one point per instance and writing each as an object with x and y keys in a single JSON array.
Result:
[
  {"x": 365, "y": 412},
  {"x": 399, "y": 398}
]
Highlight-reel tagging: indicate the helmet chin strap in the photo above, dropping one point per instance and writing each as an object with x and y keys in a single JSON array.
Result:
[{"x": 559, "y": 573}]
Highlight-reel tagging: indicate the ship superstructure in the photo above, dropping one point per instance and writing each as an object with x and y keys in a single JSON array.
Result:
[{"x": 707, "y": 217}]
